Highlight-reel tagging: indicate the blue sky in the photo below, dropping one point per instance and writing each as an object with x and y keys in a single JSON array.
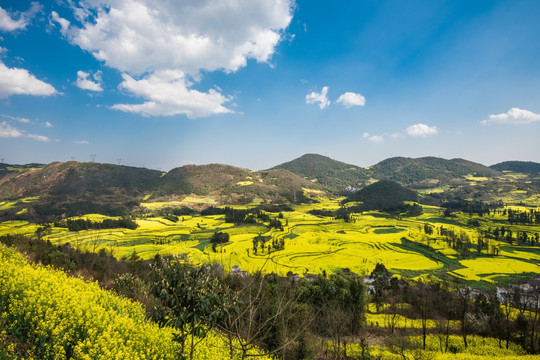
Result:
[{"x": 253, "y": 83}]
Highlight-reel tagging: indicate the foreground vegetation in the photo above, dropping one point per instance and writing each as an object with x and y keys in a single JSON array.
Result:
[
  {"x": 206, "y": 314},
  {"x": 46, "y": 315}
]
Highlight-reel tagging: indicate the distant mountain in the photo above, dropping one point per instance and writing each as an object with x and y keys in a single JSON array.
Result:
[
  {"x": 527, "y": 167},
  {"x": 331, "y": 173},
  {"x": 384, "y": 194},
  {"x": 78, "y": 180},
  {"x": 414, "y": 171},
  {"x": 232, "y": 184},
  {"x": 74, "y": 188}
]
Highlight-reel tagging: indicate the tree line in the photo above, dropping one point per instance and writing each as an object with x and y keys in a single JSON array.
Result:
[{"x": 85, "y": 224}]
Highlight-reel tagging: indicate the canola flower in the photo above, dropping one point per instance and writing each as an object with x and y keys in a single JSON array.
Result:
[{"x": 61, "y": 317}]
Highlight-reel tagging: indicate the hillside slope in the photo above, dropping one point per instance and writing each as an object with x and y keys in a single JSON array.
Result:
[
  {"x": 382, "y": 195},
  {"x": 528, "y": 167},
  {"x": 333, "y": 174},
  {"x": 231, "y": 184},
  {"x": 410, "y": 171}
]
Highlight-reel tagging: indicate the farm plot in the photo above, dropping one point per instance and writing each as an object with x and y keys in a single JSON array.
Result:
[{"x": 312, "y": 244}]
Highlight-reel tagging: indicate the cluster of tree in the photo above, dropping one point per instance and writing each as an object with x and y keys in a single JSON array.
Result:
[
  {"x": 276, "y": 314},
  {"x": 322, "y": 212},
  {"x": 275, "y": 223},
  {"x": 85, "y": 224},
  {"x": 219, "y": 237},
  {"x": 346, "y": 213},
  {"x": 53, "y": 211},
  {"x": 178, "y": 211},
  {"x": 471, "y": 207},
  {"x": 237, "y": 216},
  {"x": 523, "y": 217},
  {"x": 342, "y": 213},
  {"x": 505, "y": 234},
  {"x": 275, "y": 208},
  {"x": 476, "y": 312}
]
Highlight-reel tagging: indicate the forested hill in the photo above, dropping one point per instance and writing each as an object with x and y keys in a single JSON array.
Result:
[
  {"x": 230, "y": 183},
  {"x": 410, "y": 171},
  {"x": 331, "y": 173},
  {"x": 72, "y": 188},
  {"x": 384, "y": 194},
  {"x": 339, "y": 176},
  {"x": 76, "y": 179},
  {"x": 528, "y": 167},
  {"x": 75, "y": 188}
]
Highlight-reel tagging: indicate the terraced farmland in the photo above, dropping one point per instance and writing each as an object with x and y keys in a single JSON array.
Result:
[{"x": 313, "y": 244}]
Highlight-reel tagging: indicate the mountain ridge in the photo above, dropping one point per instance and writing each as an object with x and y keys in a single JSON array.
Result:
[{"x": 72, "y": 187}]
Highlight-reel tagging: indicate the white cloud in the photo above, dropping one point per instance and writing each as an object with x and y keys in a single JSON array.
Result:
[
  {"x": 168, "y": 93},
  {"x": 372, "y": 138},
  {"x": 8, "y": 131},
  {"x": 85, "y": 83},
  {"x": 144, "y": 38},
  {"x": 64, "y": 24},
  {"x": 320, "y": 98},
  {"x": 8, "y": 22},
  {"x": 351, "y": 99},
  {"x": 16, "y": 118},
  {"x": 48, "y": 124},
  {"x": 138, "y": 36},
  {"x": 376, "y": 138},
  {"x": 422, "y": 130},
  {"x": 81, "y": 142},
  {"x": 515, "y": 116},
  {"x": 396, "y": 136},
  {"x": 38, "y": 137},
  {"x": 15, "y": 81}
]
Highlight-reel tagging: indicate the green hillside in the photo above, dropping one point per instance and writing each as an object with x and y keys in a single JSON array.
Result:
[
  {"x": 231, "y": 185},
  {"x": 331, "y": 173},
  {"x": 382, "y": 195},
  {"x": 528, "y": 167},
  {"x": 413, "y": 171}
]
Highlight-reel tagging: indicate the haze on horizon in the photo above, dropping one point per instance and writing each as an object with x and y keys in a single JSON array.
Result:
[{"x": 162, "y": 84}]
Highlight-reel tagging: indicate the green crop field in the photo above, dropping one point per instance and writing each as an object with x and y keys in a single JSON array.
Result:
[{"x": 313, "y": 244}]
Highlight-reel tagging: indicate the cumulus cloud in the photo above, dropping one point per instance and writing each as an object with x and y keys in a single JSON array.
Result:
[
  {"x": 168, "y": 93},
  {"x": 421, "y": 130},
  {"x": 373, "y": 138},
  {"x": 8, "y": 22},
  {"x": 515, "y": 116},
  {"x": 48, "y": 124},
  {"x": 320, "y": 98},
  {"x": 15, "y": 81},
  {"x": 85, "y": 83},
  {"x": 144, "y": 38},
  {"x": 376, "y": 138},
  {"x": 81, "y": 142},
  {"x": 8, "y": 131},
  {"x": 349, "y": 99},
  {"x": 396, "y": 136}
]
